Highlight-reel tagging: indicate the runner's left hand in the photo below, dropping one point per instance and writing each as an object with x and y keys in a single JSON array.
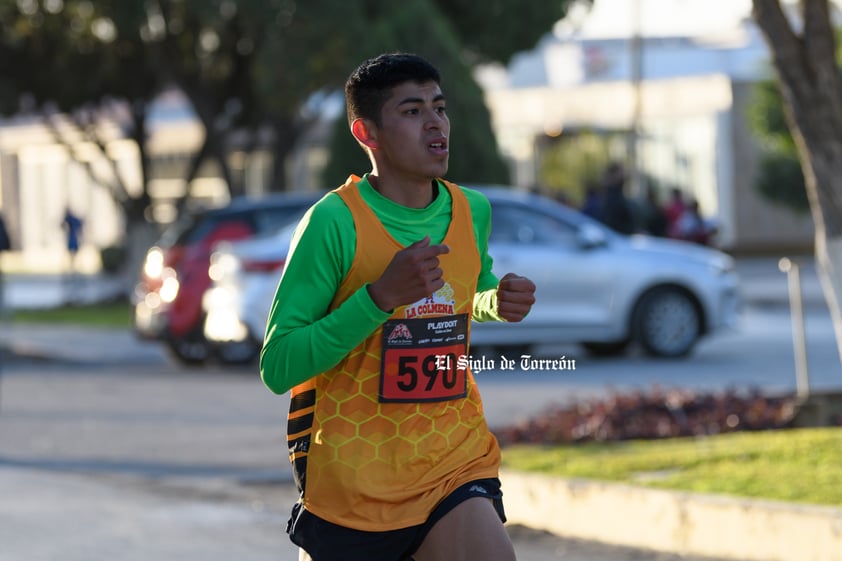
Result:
[{"x": 515, "y": 296}]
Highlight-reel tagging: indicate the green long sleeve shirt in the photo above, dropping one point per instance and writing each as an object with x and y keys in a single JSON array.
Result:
[{"x": 303, "y": 337}]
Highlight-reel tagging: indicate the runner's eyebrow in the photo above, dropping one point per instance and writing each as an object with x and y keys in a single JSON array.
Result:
[{"x": 409, "y": 100}]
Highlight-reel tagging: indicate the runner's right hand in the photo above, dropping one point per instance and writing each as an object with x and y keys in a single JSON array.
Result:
[{"x": 412, "y": 274}]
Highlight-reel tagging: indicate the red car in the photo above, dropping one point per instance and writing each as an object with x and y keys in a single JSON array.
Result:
[{"x": 168, "y": 297}]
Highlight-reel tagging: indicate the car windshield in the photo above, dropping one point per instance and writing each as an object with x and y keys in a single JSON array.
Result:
[
  {"x": 518, "y": 224},
  {"x": 270, "y": 220},
  {"x": 176, "y": 232},
  {"x": 260, "y": 220}
]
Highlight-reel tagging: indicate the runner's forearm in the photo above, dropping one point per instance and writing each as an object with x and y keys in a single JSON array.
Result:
[{"x": 295, "y": 355}]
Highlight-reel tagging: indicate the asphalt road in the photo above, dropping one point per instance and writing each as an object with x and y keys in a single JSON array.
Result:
[{"x": 103, "y": 461}]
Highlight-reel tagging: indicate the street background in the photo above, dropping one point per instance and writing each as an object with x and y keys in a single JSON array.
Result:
[{"x": 110, "y": 450}]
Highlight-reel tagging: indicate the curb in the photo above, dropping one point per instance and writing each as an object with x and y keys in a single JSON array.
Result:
[
  {"x": 72, "y": 344},
  {"x": 672, "y": 521},
  {"x": 12, "y": 354}
]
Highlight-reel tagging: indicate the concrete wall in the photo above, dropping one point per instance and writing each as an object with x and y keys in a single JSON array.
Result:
[
  {"x": 682, "y": 523},
  {"x": 761, "y": 227}
]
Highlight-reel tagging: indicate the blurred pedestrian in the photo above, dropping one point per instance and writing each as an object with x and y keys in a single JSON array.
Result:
[
  {"x": 73, "y": 230},
  {"x": 654, "y": 217},
  {"x": 5, "y": 245},
  {"x": 5, "y": 240},
  {"x": 691, "y": 226},
  {"x": 72, "y": 225},
  {"x": 675, "y": 208},
  {"x": 592, "y": 204},
  {"x": 616, "y": 211}
]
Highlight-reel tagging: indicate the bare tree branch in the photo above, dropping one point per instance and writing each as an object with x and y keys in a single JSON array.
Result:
[
  {"x": 53, "y": 128},
  {"x": 820, "y": 46},
  {"x": 86, "y": 121},
  {"x": 788, "y": 58}
]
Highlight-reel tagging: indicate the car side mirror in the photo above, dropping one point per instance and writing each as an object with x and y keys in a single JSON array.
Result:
[{"x": 590, "y": 236}]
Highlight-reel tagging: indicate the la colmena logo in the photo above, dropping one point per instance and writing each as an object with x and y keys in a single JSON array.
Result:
[{"x": 439, "y": 302}]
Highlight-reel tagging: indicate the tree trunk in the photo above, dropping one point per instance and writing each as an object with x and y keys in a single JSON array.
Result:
[
  {"x": 141, "y": 233},
  {"x": 809, "y": 81},
  {"x": 286, "y": 135}
]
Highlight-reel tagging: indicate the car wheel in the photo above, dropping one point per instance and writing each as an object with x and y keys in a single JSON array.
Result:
[
  {"x": 191, "y": 350},
  {"x": 667, "y": 322},
  {"x": 241, "y": 352},
  {"x": 611, "y": 348}
]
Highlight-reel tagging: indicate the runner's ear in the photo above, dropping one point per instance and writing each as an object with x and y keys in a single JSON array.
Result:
[{"x": 365, "y": 132}]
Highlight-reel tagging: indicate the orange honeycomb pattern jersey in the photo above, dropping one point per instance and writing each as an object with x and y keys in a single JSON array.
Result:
[{"x": 376, "y": 466}]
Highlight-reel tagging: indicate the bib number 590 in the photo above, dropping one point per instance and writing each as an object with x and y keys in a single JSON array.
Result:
[
  {"x": 429, "y": 374},
  {"x": 432, "y": 366}
]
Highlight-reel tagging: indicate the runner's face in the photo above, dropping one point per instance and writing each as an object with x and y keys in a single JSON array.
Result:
[{"x": 412, "y": 139}]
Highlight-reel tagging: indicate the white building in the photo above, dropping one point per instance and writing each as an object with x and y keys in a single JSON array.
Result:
[
  {"x": 46, "y": 170},
  {"x": 685, "y": 95}
]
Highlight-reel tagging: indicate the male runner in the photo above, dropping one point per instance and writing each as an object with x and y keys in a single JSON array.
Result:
[{"x": 389, "y": 446}]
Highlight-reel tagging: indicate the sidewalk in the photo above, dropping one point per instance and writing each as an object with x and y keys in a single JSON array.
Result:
[
  {"x": 57, "y": 342},
  {"x": 762, "y": 283},
  {"x": 36, "y": 342},
  {"x": 34, "y": 291}
]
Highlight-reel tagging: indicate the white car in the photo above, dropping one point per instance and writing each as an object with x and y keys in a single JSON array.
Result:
[{"x": 595, "y": 287}]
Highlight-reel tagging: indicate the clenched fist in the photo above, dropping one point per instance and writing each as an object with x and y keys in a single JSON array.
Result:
[
  {"x": 515, "y": 296},
  {"x": 412, "y": 274}
]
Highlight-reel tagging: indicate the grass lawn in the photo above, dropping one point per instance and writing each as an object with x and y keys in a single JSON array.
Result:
[
  {"x": 798, "y": 465},
  {"x": 114, "y": 314}
]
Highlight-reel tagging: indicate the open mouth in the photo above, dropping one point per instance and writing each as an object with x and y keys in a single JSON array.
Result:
[{"x": 438, "y": 146}]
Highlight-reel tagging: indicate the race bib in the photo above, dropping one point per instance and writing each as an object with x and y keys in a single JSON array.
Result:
[{"x": 424, "y": 359}]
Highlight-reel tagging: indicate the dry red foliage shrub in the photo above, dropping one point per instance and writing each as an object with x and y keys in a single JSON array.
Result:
[{"x": 654, "y": 414}]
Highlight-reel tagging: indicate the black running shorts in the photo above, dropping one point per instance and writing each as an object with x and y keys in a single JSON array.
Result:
[{"x": 325, "y": 541}]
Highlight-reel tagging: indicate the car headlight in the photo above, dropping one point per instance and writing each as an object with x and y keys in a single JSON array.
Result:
[
  {"x": 722, "y": 264},
  {"x": 222, "y": 322},
  {"x": 169, "y": 286},
  {"x": 153, "y": 266},
  {"x": 223, "y": 265}
]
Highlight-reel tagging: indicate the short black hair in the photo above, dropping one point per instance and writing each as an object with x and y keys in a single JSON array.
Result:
[{"x": 369, "y": 86}]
